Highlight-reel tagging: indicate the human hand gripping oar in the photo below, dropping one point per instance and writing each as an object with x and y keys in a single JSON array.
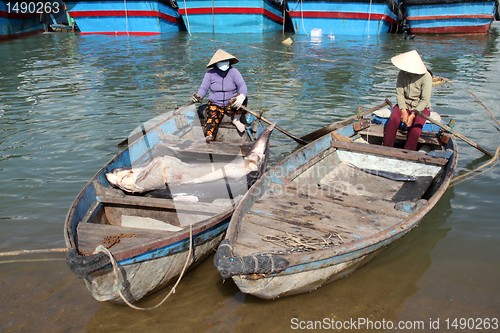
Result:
[
  {"x": 144, "y": 131},
  {"x": 458, "y": 135},
  {"x": 335, "y": 126},
  {"x": 299, "y": 140}
]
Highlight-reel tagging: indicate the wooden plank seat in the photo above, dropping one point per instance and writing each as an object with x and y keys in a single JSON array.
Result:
[
  {"x": 390, "y": 152},
  {"x": 198, "y": 207},
  {"x": 378, "y": 131},
  {"x": 202, "y": 147}
]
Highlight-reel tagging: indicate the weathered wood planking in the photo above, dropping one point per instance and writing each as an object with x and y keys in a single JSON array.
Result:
[
  {"x": 91, "y": 235},
  {"x": 367, "y": 203}
]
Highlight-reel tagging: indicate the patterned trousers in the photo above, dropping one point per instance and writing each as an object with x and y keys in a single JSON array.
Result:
[{"x": 215, "y": 113}]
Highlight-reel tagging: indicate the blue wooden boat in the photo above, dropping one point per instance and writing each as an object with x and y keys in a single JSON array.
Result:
[
  {"x": 344, "y": 17},
  {"x": 330, "y": 207},
  {"x": 225, "y": 16},
  {"x": 116, "y": 17},
  {"x": 16, "y": 22},
  {"x": 148, "y": 234},
  {"x": 449, "y": 16}
]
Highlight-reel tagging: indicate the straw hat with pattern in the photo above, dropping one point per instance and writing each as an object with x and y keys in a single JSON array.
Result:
[
  {"x": 221, "y": 55},
  {"x": 410, "y": 62}
]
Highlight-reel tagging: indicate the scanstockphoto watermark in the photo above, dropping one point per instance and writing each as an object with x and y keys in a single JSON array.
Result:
[
  {"x": 355, "y": 324},
  {"x": 411, "y": 325}
]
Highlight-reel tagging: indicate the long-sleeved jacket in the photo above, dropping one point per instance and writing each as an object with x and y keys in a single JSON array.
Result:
[
  {"x": 222, "y": 85},
  {"x": 413, "y": 91}
]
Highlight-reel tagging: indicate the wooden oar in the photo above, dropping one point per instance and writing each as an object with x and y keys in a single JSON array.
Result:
[
  {"x": 144, "y": 131},
  {"x": 458, "y": 135},
  {"x": 299, "y": 140},
  {"x": 330, "y": 128}
]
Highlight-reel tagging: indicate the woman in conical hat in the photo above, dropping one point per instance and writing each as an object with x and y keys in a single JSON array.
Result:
[
  {"x": 224, "y": 82},
  {"x": 413, "y": 92}
]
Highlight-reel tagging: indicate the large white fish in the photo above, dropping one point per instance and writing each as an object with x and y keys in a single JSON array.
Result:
[{"x": 168, "y": 170}]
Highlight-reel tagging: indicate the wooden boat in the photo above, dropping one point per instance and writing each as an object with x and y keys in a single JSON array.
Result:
[
  {"x": 149, "y": 234},
  {"x": 243, "y": 16},
  {"x": 327, "y": 209},
  {"x": 449, "y": 16},
  {"x": 338, "y": 17},
  {"x": 116, "y": 17}
]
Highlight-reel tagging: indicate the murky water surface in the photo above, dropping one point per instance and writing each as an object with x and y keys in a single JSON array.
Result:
[{"x": 66, "y": 100}]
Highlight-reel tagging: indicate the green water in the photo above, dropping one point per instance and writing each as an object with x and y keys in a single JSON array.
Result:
[{"x": 66, "y": 100}]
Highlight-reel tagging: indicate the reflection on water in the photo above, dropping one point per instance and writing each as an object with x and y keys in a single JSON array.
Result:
[{"x": 66, "y": 100}]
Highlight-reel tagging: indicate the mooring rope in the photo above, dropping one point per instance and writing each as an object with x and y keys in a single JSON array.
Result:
[
  {"x": 101, "y": 248},
  {"x": 16, "y": 253},
  {"x": 187, "y": 19},
  {"x": 493, "y": 161}
]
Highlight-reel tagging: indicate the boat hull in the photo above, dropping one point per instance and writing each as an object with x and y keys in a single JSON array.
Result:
[
  {"x": 148, "y": 258},
  {"x": 452, "y": 18},
  {"x": 312, "y": 196},
  {"x": 247, "y": 16},
  {"x": 13, "y": 25},
  {"x": 156, "y": 270},
  {"x": 125, "y": 17},
  {"x": 344, "y": 17}
]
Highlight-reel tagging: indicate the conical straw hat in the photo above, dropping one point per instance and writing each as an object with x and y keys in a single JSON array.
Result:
[
  {"x": 221, "y": 55},
  {"x": 409, "y": 62}
]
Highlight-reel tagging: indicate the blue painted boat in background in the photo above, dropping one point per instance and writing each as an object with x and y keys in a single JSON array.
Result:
[
  {"x": 344, "y": 17},
  {"x": 449, "y": 16},
  {"x": 232, "y": 16},
  {"x": 149, "y": 234},
  {"x": 15, "y": 23},
  {"x": 125, "y": 17}
]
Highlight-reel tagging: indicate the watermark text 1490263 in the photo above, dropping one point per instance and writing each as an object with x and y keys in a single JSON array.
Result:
[{"x": 32, "y": 7}]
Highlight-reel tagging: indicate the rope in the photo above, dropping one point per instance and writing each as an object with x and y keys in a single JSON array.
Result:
[
  {"x": 493, "y": 161},
  {"x": 302, "y": 17},
  {"x": 30, "y": 260},
  {"x": 101, "y": 248},
  {"x": 126, "y": 15},
  {"x": 369, "y": 16},
  {"x": 16, "y": 253},
  {"x": 187, "y": 19}
]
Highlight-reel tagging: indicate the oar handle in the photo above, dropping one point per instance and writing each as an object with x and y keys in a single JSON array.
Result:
[
  {"x": 299, "y": 140},
  {"x": 458, "y": 135}
]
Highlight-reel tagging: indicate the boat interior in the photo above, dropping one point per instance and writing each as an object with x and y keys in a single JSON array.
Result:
[
  {"x": 120, "y": 219},
  {"x": 352, "y": 190}
]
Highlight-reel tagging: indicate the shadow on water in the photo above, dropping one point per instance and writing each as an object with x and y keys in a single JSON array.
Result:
[{"x": 376, "y": 291}]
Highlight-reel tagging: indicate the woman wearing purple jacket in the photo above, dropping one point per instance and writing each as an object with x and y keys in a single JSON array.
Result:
[{"x": 224, "y": 82}]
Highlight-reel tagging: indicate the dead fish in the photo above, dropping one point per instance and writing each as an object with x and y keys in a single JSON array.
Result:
[
  {"x": 387, "y": 174},
  {"x": 166, "y": 171}
]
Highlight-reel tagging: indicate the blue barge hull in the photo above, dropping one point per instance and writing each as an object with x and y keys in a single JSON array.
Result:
[
  {"x": 125, "y": 17},
  {"x": 344, "y": 17},
  {"x": 229, "y": 16}
]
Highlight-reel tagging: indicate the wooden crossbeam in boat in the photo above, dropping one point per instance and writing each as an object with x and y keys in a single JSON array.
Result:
[
  {"x": 214, "y": 147},
  {"x": 200, "y": 207},
  {"x": 390, "y": 152}
]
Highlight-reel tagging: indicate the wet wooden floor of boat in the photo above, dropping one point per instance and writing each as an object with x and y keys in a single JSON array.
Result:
[{"x": 310, "y": 211}]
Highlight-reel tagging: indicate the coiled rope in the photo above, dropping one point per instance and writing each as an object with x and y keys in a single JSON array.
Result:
[{"x": 101, "y": 248}]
